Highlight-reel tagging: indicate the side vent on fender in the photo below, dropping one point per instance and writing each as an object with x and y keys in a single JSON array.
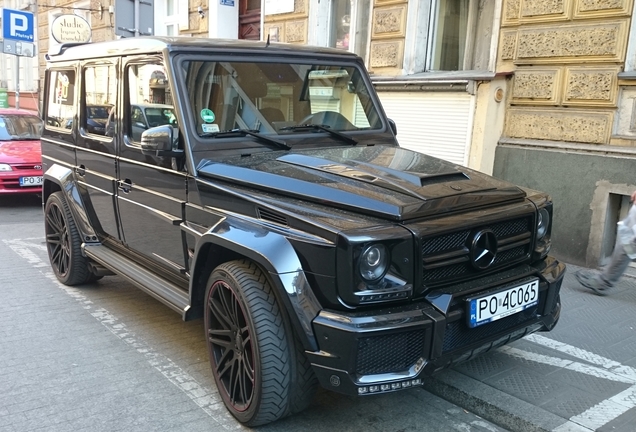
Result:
[{"x": 270, "y": 216}]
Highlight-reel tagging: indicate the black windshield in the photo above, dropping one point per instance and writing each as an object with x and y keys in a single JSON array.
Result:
[{"x": 271, "y": 97}]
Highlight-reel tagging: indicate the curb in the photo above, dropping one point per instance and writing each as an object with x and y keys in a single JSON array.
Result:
[{"x": 498, "y": 407}]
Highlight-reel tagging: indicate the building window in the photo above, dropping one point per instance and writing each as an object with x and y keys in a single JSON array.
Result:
[
  {"x": 167, "y": 22},
  {"x": 349, "y": 25},
  {"x": 451, "y": 27},
  {"x": 443, "y": 35},
  {"x": 340, "y": 24}
]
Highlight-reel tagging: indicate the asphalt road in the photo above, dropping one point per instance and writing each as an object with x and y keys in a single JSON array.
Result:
[{"x": 107, "y": 357}]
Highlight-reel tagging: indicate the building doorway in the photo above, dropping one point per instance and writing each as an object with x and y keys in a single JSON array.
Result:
[{"x": 250, "y": 19}]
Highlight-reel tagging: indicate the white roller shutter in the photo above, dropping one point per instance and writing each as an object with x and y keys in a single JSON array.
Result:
[{"x": 436, "y": 123}]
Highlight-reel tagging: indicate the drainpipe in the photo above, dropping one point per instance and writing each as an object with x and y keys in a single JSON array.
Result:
[{"x": 136, "y": 18}]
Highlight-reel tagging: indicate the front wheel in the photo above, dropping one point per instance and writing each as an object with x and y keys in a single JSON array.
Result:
[
  {"x": 63, "y": 243},
  {"x": 251, "y": 346}
]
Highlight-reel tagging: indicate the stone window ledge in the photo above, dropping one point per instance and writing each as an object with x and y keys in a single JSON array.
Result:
[
  {"x": 458, "y": 81},
  {"x": 609, "y": 150}
]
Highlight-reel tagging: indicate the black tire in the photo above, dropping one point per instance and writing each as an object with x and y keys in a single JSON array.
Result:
[
  {"x": 63, "y": 243},
  {"x": 305, "y": 383},
  {"x": 253, "y": 354}
]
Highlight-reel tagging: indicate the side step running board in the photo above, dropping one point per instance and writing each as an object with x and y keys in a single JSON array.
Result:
[{"x": 166, "y": 292}]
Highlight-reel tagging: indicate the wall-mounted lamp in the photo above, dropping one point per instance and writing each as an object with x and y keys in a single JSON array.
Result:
[{"x": 201, "y": 13}]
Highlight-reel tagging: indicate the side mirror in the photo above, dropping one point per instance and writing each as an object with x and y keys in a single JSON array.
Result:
[
  {"x": 158, "y": 141},
  {"x": 393, "y": 127}
]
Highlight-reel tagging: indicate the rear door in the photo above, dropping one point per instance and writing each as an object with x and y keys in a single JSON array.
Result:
[{"x": 97, "y": 150}]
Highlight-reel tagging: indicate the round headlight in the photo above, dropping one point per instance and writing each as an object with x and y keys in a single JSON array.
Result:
[
  {"x": 374, "y": 262},
  {"x": 543, "y": 221}
]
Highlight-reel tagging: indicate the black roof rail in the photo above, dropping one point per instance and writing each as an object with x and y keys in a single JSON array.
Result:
[{"x": 59, "y": 49}]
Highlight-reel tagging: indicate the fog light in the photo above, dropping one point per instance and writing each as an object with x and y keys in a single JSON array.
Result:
[
  {"x": 374, "y": 388},
  {"x": 416, "y": 382},
  {"x": 396, "y": 386},
  {"x": 363, "y": 390},
  {"x": 385, "y": 387}
]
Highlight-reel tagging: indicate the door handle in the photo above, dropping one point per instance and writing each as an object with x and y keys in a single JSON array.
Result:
[
  {"x": 125, "y": 186},
  {"x": 81, "y": 170}
]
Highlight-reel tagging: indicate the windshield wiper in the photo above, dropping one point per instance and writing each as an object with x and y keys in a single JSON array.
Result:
[
  {"x": 245, "y": 132},
  {"x": 324, "y": 128}
]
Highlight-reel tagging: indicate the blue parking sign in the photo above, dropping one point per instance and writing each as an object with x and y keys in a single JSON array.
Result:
[{"x": 17, "y": 25}]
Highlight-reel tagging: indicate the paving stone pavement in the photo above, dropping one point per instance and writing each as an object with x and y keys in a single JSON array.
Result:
[
  {"x": 579, "y": 377},
  {"x": 107, "y": 357}
]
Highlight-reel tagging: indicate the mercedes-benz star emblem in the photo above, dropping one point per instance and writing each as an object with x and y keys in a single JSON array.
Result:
[{"x": 483, "y": 249}]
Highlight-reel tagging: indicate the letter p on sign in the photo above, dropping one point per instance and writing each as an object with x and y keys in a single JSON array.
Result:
[{"x": 17, "y": 23}]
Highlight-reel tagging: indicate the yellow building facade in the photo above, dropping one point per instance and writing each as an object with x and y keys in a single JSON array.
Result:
[{"x": 570, "y": 124}]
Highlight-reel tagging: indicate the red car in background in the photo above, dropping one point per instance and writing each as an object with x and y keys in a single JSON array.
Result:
[{"x": 20, "y": 153}]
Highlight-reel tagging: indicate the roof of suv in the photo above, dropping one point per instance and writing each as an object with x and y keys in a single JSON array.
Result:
[{"x": 156, "y": 44}]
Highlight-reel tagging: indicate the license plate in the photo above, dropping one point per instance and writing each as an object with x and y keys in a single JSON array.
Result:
[
  {"x": 500, "y": 304},
  {"x": 31, "y": 181}
]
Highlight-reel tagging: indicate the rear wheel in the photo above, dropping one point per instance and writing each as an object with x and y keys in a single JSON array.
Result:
[
  {"x": 63, "y": 243},
  {"x": 252, "y": 349}
]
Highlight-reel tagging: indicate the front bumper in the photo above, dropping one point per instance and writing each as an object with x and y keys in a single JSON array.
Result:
[
  {"x": 10, "y": 182},
  {"x": 395, "y": 348}
]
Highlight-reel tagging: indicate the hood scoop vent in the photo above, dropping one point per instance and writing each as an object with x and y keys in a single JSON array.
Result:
[
  {"x": 429, "y": 180},
  {"x": 270, "y": 216}
]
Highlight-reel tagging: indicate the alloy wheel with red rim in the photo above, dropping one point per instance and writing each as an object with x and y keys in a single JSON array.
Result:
[{"x": 231, "y": 346}]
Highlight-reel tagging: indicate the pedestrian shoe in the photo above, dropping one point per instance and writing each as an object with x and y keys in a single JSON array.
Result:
[{"x": 591, "y": 280}]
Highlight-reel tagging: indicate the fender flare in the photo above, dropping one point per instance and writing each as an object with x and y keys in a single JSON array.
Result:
[
  {"x": 276, "y": 255},
  {"x": 63, "y": 177}
]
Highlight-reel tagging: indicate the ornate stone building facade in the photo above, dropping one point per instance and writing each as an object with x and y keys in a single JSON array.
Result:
[{"x": 570, "y": 127}]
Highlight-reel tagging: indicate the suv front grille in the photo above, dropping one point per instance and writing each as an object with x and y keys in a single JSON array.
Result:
[
  {"x": 389, "y": 353},
  {"x": 446, "y": 257}
]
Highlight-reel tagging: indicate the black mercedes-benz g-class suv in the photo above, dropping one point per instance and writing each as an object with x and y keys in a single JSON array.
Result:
[{"x": 263, "y": 190}]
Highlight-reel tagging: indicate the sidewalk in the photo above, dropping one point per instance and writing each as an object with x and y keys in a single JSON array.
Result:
[{"x": 579, "y": 377}]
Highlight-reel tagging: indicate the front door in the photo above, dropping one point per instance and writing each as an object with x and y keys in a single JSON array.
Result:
[
  {"x": 250, "y": 19},
  {"x": 151, "y": 189}
]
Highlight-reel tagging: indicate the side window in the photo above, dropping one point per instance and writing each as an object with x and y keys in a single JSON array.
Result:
[
  {"x": 100, "y": 90},
  {"x": 138, "y": 117},
  {"x": 61, "y": 107},
  {"x": 149, "y": 99}
]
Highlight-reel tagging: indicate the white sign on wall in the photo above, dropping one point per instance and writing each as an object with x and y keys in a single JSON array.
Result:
[
  {"x": 273, "y": 7},
  {"x": 70, "y": 28}
]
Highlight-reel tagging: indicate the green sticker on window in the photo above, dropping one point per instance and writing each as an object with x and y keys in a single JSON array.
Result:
[{"x": 207, "y": 115}]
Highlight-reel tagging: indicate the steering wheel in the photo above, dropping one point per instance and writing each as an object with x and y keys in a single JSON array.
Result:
[{"x": 333, "y": 119}]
